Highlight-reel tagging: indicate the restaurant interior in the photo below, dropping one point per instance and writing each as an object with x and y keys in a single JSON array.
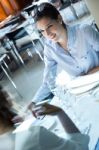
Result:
[{"x": 22, "y": 47}]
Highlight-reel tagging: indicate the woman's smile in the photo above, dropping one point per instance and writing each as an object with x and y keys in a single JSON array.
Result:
[{"x": 53, "y": 36}]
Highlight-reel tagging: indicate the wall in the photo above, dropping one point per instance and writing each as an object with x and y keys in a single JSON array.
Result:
[
  {"x": 2, "y": 13},
  {"x": 93, "y": 6},
  {"x": 8, "y": 7}
]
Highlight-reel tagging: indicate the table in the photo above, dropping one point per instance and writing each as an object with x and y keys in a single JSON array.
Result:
[
  {"x": 7, "y": 29},
  {"x": 83, "y": 109}
]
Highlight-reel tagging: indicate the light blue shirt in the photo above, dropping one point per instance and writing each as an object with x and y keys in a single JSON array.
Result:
[{"x": 82, "y": 55}]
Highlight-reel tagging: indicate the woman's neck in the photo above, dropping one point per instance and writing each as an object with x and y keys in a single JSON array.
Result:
[{"x": 63, "y": 40}]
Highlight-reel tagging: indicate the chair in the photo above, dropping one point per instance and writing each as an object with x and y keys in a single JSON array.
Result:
[
  {"x": 38, "y": 48},
  {"x": 4, "y": 52},
  {"x": 29, "y": 9},
  {"x": 6, "y": 43},
  {"x": 14, "y": 20},
  {"x": 39, "y": 37},
  {"x": 12, "y": 39},
  {"x": 4, "y": 67},
  {"x": 26, "y": 13}
]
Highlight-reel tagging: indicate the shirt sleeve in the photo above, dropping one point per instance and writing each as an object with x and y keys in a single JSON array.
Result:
[
  {"x": 92, "y": 36},
  {"x": 48, "y": 76},
  {"x": 50, "y": 141}
]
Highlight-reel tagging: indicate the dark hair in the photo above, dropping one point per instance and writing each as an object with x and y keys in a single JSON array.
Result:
[
  {"x": 45, "y": 10},
  {"x": 6, "y": 113}
]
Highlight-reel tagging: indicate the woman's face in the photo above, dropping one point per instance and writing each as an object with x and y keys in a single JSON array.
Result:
[{"x": 51, "y": 29}]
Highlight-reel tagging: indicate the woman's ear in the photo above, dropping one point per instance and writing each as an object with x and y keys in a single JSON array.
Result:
[{"x": 60, "y": 20}]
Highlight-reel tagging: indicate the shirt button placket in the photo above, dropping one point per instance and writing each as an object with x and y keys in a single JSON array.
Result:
[
  {"x": 85, "y": 57},
  {"x": 77, "y": 66}
]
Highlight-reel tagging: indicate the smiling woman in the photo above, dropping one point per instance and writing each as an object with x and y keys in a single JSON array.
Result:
[{"x": 74, "y": 49}]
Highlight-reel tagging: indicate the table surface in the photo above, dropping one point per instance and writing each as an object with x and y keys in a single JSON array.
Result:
[{"x": 83, "y": 109}]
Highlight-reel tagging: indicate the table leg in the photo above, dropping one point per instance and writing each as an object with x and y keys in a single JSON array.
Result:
[{"x": 11, "y": 80}]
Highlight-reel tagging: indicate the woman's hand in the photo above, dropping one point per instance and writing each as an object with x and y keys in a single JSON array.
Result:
[
  {"x": 17, "y": 119},
  {"x": 96, "y": 69},
  {"x": 30, "y": 106},
  {"x": 44, "y": 109},
  {"x": 47, "y": 109}
]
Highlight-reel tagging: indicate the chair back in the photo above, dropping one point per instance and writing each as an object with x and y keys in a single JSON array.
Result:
[
  {"x": 17, "y": 34},
  {"x": 29, "y": 9}
]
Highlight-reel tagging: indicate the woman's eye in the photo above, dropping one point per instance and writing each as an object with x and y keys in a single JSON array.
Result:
[
  {"x": 41, "y": 31},
  {"x": 50, "y": 26}
]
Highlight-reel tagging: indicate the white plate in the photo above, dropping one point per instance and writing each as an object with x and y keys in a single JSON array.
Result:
[
  {"x": 48, "y": 122},
  {"x": 84, "y": 80},
  {"x": 83, "y": 89},
  {"x": 25, "y": 125}
]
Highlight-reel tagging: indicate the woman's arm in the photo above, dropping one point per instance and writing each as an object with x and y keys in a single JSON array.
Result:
[
  {"x": 47, "y": 109},
  {"x": 92, "y": 36},
  {"x": 67, "y": 123},
  {"x": 93, "y": 70},
  {"x": 50, "y": 68}
]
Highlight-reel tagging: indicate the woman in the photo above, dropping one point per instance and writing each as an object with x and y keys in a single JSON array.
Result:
[
  {"x": 72, "y": 48},
  {"x": 8, "y": 115},
  {"x": 37, "y": 137},
  {"x": 40, "y": 138}
]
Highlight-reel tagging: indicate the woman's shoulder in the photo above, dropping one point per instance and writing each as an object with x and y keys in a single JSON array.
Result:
[
  {"x": 79, "y": 28},
  {"x": 73, "y": 29}
]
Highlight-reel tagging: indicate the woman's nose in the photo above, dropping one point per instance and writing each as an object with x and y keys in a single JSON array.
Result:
[{"x": 47, "y": 32}]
